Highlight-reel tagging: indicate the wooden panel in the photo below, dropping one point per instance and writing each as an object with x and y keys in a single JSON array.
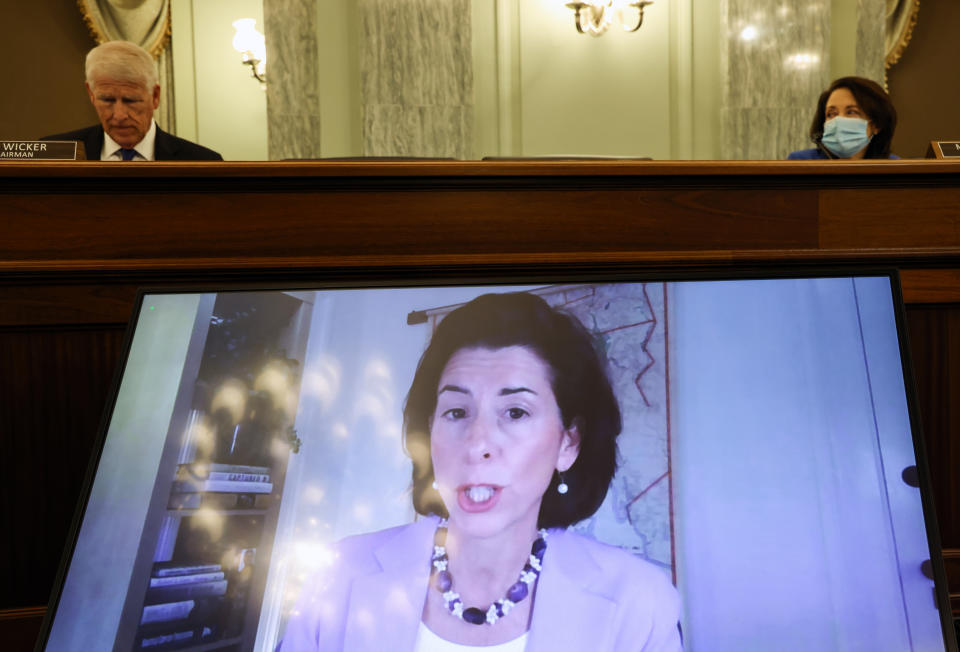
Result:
[
  {"x": 311, "y": 223},
  {"x": 19, "y": 628},
  {"x": 49, "y": 304},
  {"x": 930, "y": 285},
  {"x": 951, "y": 563},
  {"x": 52, "y": 393},
  {"x": 201, "y": 212},
  {"x": 890, "y": 217},
  {"x": 934, "y": 333},
  {"x": 845, "y": 173}
]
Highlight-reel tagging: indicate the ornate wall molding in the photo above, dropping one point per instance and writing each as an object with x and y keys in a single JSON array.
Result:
[{"x": 901, "y": 19}]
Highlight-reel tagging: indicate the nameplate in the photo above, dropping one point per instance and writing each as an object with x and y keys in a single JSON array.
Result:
[
  {"x": 38, "y": 150},
  {"x": 949, "y": 148}
]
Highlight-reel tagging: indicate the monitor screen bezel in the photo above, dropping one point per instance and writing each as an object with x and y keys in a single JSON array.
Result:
[{"x": 525, "y": 274}]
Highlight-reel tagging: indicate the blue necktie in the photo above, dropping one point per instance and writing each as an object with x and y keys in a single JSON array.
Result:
[{"x": 127, "y": 154}]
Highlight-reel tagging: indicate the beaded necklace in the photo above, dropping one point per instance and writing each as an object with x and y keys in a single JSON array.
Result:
[{"x": 441, "y": 579}]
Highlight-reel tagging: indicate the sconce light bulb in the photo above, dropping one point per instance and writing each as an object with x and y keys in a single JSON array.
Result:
[
  {"x": 251, "y": 45},
  {"x": 245, "y": 37},
  {"x": 595, "y": 17}
]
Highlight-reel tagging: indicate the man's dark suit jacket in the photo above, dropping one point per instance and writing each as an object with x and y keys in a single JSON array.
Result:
[{"x": 167, "y": 147}]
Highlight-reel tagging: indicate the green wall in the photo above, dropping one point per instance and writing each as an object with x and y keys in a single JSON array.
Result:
[{"x": 218, "y": 103}]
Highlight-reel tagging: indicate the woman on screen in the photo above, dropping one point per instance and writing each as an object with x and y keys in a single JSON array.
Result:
[
  {"x": 855, "y": 119},
  {"x": 511, "y": 424}
]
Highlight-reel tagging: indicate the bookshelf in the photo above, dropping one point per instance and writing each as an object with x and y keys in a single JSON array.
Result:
[{"x": 198, "y": 580}]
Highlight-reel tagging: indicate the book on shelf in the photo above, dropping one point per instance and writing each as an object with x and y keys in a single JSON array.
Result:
[
  {"x": 169, "y": 639},
  {"x": 221, "y": 486},
  {"x": 165, "y": 636},
  {"x": 219, "y": 501},
  {"x": 167, "y": 612},
  {"x": 215, "y": 471},
  {"x": 172, "y": 568},
  {"x": 193, "y": 473},
  {"x": 175, "y": 580},
  {"x": 239, "y": 477},
  {"x": 183, "y": 592},
  {"x": 183, "y": 613}
]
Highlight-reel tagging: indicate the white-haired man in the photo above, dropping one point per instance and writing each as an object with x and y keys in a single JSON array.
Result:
[{"x": 122, "y": 85}]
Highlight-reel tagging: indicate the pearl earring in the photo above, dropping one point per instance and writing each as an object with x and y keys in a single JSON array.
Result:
[
  {"x": 435, "y": 485},
  {"x": 562, "y": 488}
]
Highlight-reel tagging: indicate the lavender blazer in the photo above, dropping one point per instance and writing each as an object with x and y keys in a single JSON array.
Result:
[{"x": 590, "y": 596}]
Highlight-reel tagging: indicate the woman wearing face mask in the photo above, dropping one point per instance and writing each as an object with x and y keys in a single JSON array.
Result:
[{"x": 855, "y": 119}]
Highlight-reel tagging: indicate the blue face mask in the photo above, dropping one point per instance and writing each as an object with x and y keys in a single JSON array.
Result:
[{"x": 844, "y": 137}]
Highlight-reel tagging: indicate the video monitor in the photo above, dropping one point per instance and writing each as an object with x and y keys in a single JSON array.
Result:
[{"x": 768, "y": 466}]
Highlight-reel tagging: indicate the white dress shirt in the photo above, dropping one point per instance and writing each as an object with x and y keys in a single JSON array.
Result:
[
  {"x": 145, "y": 148},
  {"x": 427, "y": 641}
]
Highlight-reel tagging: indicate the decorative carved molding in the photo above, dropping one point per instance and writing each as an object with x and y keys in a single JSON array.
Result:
[{"x": 901, "y": 19}]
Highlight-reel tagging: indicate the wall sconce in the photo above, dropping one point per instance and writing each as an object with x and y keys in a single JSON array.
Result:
[
  {"x": 252, "y": 47},
  {"x": 595, "y": 18}
]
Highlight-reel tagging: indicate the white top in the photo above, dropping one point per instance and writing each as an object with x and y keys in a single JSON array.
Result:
[
  {"x": 427, "y": 641},
  {"x": 146, "y": 148}
]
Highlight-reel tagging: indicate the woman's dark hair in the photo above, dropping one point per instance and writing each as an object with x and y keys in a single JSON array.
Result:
[
  {"x": 874, "y": 102},
  {"x": 578, "y": 378}
]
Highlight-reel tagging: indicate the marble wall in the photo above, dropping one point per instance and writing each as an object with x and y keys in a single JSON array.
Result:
[
  {"x": 166, "y": 115},
  {"x": 775, "y": 63},
  {"x": 416, "y": 78},
  {"x": 293, "y": 101},
  {"x": 414, "y": 95},
  {"x": 396, "y": 77}
]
